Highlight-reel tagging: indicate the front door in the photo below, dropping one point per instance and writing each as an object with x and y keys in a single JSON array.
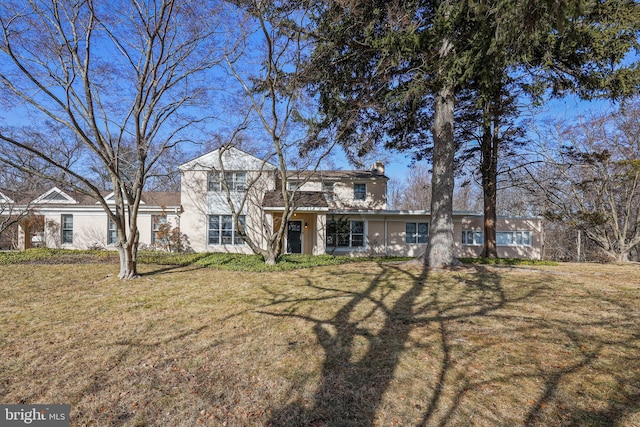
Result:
[{"x": 294, "y": 237}]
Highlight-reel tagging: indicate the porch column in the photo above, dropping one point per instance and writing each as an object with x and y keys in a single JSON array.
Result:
[
  {"x": 24, "y": 236},
  {"x": 321, "y": 235}
]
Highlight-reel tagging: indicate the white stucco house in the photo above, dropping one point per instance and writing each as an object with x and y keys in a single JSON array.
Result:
[{"x": 336, "y": 211}]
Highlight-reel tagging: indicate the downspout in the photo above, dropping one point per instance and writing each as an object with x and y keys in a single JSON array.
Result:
[{"x": 386, "y": 238}]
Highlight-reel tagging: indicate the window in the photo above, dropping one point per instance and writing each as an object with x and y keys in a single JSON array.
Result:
[
  {"x": 67, "y": 229},
  {"x": 236, "y": 181},
  {"x": 112, "y": 235},
  {"x": 222, "y": 230},
  {"x": 417, "y": 232},
  {"x": 157, "y": 221},
  {"x": 359, "y": 191},
  {"x": 503, "y": 238},
  {"x": 471, "y": 237},
  {"x": 513, "y": 238},
  {"x": 327, "y": 189},
  {"x": 345, "y": 234},
  {"x": 55, "y": 197}
]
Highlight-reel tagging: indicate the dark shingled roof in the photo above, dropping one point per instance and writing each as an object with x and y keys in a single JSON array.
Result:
[
  {"x": 335, "y": 175},
  {"x": 161, "y": 198},
  {"x": 150, "y": 198},
  {"x": 301, "y": 199}
]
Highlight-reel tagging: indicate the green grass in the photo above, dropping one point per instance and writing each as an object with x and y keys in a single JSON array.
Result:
[
  {"x": 220, "y": 261},
  {"x": 223, "y": 261},
  {"x": 357, "y": 344},
  {"x": 52, "y": 255},
  {"x": 506, "y": 261},
  {"x": 255, "y": 263}
]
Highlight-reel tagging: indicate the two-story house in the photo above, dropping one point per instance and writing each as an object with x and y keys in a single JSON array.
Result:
[{"x": 335, "y": 211}]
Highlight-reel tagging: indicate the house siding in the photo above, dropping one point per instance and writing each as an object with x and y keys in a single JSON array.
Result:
[
  {"x": 384, "y": 230},
  {"x": 394, "y": 242},
  {"x": 90, "y": 226}
]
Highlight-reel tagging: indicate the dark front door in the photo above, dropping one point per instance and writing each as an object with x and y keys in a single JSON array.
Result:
[{"x": 294, "y": 237}]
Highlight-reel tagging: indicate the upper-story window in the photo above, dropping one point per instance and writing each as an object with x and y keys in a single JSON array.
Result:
[
  {"x": 236, "y": 181},
  {"x": 327, "y": 189},
  {"x": 359, "y": 191}
]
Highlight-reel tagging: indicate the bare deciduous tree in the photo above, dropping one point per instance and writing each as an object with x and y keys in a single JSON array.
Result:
[
  {"x": 275, "y": 96},
  {"x": 414, "y": 192},
  {"x": 591, "y": 179},
  {"x": 118, "y": 79}
]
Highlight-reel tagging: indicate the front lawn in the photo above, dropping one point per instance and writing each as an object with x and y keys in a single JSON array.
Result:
[{"x": 357, "y": 344}]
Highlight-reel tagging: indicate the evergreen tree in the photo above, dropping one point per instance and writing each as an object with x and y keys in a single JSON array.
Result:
[{"x": 390, "y": 71}]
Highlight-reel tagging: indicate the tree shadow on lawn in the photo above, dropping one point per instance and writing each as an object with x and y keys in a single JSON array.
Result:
[
  {"x": 354, "y": 383},
  {"x": 351, "y": 390},
  {"x": 169, "y": 269}
]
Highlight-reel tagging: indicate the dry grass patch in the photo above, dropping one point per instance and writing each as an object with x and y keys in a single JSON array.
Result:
[{"x": 351, "y": 345}]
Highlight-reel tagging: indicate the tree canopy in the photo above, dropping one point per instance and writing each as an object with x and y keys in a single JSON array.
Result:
[
  {"x": 105, "y": 85},
  {"x": 386, "y": 69}
]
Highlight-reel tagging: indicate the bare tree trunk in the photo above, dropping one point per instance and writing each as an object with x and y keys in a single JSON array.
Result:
[
  {"x": 128, "y": 262},
  {"x": 127, "y": 249},
  {"x": 440, "y": 249},
  {"x": 489, "y": 168},
  {"x": 271, "y": 257}
]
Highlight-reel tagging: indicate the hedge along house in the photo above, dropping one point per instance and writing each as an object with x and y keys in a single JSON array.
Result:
[{"x": 342, "y": 212}]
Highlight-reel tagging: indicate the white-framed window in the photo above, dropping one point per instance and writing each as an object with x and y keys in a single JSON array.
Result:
[
  {"x": 513, "y": 238},
  {"x": 359, "y": 191},
  {"x": 112, "y": 235},
  {"x": 235, "y": 180},
  {"x": 327, "y": 189},
  {"x": 157, "y": 221},
  {"x": 67, "y": 229},
  {"x": 345, "y": 234},
  {"x": 472, "y": 237},
  {"x": 416, "y": 232},
  {"x": 503, "y": 238},
  {"x": 222, "y": 230}
]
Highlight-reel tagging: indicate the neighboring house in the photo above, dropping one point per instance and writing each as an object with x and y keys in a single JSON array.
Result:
[{"x": 342, "y": 212}]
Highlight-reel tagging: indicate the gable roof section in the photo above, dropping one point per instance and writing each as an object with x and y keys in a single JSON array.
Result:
[
  {"x": 55, "y": 196},
  {"x": 109, "y": 198},
  {"x": 58, "y": 198},
  {"x": 153, "y": 198},
  {"x": 233, "y": 159}
]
